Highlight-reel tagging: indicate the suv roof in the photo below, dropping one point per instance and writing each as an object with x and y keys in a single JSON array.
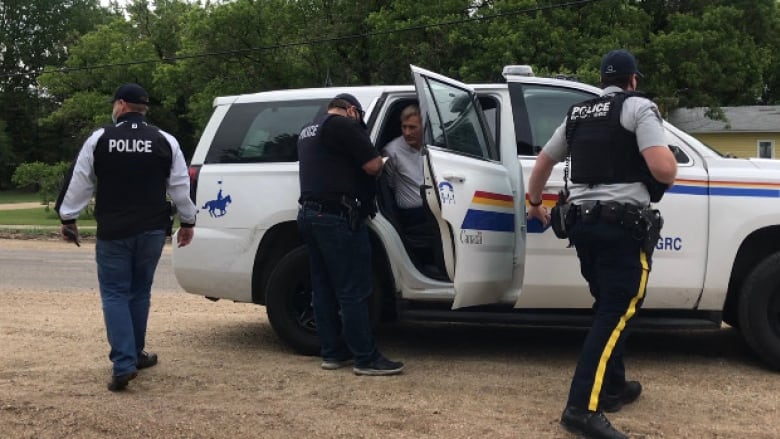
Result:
[
  {"x": 367, "y": 93},
  {"x": 364, "y": 93}
]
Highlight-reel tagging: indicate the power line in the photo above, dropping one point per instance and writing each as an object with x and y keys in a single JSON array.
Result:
[{"x": 309, "y": 42}]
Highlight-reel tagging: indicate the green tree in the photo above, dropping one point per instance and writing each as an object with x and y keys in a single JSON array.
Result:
[
  {"x": 34, "y": 34},
  {"x": 129, "y": 49},
  {"x": 694, "y": 52},
  {"x": 422, "y": 40},
  {"x": 7, "y": 158},
  {"x": 708, "y": 60},
  {"x": 46, "y": 179},
  {"x": 554, "y": 38}
]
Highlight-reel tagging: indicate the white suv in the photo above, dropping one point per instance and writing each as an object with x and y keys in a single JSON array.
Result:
[{"x": 488, "y": 264}]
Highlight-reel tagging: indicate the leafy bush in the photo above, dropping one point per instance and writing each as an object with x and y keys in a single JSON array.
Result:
[{"x": 46, "y": 179}]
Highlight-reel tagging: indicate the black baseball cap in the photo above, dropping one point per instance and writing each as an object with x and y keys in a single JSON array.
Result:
[
  {"x": 619, "y": 62},
  {"x": 351, "y": 99},
  {"x": 132, "y": 93}
]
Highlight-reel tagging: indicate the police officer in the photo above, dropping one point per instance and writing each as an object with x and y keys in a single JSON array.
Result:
[
  {"x": 619, "y": 162},
  {"x": 130, "y": 165},
  {"x": 338, "y": 168}
]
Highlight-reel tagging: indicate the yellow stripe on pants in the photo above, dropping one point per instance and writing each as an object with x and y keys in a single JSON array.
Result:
[{"x": 613, "y": 338}]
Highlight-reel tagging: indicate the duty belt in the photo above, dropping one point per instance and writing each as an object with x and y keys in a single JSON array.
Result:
[
  {"x": 325, "y": 207},
  {"x": 608, "y": 211}
]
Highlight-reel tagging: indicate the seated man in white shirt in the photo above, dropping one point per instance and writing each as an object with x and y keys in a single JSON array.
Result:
[{"x": 404, "y": 168}]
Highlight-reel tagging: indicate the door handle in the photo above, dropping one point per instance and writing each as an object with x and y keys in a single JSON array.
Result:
[{"x": 453, "y": 177}]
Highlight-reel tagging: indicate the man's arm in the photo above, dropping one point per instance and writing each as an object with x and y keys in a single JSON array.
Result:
[
  {"x": 539, "y": 176},
  {"x": 178, "y": 184},
  {"x": 651, "y": 138},
  {"x": 79, "y": 182},
  {"x": 373, "y": 166},
  {"x": 354, "y": 139},
  {"x": 179, "y": 191},
  {"x": 553, "y": 152},
  {"x": 660, "y": 159}
]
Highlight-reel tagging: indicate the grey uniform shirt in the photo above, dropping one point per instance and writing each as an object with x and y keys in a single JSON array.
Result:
[
  {"x": 640, "y": 116},
  {"x": 404, "y": 172}
]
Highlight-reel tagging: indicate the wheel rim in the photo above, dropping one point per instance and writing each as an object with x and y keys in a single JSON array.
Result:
[{"x": 300, "y": 307}]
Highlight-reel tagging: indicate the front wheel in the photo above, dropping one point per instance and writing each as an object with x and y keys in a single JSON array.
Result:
[
  {"x": 288, "y": 302},
  {"x": 759, "y": 310}
]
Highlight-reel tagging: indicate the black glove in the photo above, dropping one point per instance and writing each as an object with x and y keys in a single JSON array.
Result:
[{"x": 70, "y": 232}]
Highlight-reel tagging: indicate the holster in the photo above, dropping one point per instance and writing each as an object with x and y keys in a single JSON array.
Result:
[
  {"x": 562, "y": 216},
  {"x": 655, "y": 222},
  {"x": 352, "y": 212}
]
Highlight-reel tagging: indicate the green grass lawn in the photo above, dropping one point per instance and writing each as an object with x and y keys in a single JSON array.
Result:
[
  {"x": 38, "y": 216},
  {"x": 7, "y": 197}
]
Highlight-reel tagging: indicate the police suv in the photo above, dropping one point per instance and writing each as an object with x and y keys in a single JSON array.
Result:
[{"x": 715, "y": 262}]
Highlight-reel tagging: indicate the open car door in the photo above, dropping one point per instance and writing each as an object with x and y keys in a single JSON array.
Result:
[{"x": 468, "y": 191}]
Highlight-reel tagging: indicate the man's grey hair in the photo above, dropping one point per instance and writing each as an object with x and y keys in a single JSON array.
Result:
[{"x": 411, "y": 110}]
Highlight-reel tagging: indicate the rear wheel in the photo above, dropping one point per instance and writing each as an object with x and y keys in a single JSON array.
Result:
[
  {"x": 288, "y": 302},
  {"x": 759, "y": 310}
]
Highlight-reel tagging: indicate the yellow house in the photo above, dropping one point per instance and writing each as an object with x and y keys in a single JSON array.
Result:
[{"x": 750, "y": 131}]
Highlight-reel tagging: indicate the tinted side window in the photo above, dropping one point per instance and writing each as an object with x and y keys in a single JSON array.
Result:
[
  {"x": 490, "y": 108},
  {"x": 538, "y": 110},
  {"x": 263, "y": 131},
  {"x": 457, "y": 123}
]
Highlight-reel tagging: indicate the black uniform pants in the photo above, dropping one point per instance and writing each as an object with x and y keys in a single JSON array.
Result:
[{"x": 616, "y": 268}]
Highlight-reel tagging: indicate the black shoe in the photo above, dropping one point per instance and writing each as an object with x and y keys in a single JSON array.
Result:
[
  {"x": 119, "y": 382},
  {"x": 146, "y": 359},
  {"x": 379, "y": 367},
  {"x": 613, "y": 403},
  {"x": 592, "y": 425},
  {"x": 336, "y": 364}
]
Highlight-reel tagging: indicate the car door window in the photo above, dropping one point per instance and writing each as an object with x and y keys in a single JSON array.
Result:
[
  {"x": 262, "y": 131},
  {"x": 490, "y": 108},
  {"x": 456, "y": 122},
  {"x": 538, "y": 111}
]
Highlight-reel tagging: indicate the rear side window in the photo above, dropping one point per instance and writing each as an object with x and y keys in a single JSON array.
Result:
[
  {"x": 262, "y": 131},
  {"x": 538, "y": 111}
]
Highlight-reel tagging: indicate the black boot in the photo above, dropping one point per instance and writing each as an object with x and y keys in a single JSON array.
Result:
[
  {"x": 592, "y": 425},
  {"x": 119, "y": 382},
  {"x": 629, "y": 394},
  {"x": 146, "y": 359}
]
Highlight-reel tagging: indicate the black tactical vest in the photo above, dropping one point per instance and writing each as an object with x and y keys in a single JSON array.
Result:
[
  {"x": 132, "y": 163},
  {"x": 602, "y": 151},
  {"x": 326, "y": 174}
]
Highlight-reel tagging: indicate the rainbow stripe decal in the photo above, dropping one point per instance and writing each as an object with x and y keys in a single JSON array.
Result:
[
  {"x": 686, "y": 187},
  {"x": 726, "y": 188},
  {"x": 490, "y": 211}
]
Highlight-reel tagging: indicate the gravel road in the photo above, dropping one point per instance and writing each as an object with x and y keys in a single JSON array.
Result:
[{"x": 224, "y": 374}]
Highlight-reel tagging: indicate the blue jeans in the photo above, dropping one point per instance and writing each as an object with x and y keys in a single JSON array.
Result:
[
  {"x": 340, "y": 266},
  {"x": 125, "y": 269},
  {"x": 616, "y": 269}
]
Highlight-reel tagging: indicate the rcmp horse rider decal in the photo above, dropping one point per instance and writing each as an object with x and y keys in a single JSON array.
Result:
[{"x": 218, "y": 207}]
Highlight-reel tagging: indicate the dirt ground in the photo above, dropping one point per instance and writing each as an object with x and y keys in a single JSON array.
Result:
[{"x": 224, "y": 374}]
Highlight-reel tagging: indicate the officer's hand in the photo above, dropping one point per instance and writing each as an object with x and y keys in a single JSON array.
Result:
[
  {"x": 70, "y": 232},
  {"x": 184, "y": 236},
  {"x": 540, "y": 213}
]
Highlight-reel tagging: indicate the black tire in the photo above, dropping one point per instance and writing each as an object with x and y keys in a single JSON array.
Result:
[
  {"x": 759, "y": 310},
  {"x": 288, "y": 302}
]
